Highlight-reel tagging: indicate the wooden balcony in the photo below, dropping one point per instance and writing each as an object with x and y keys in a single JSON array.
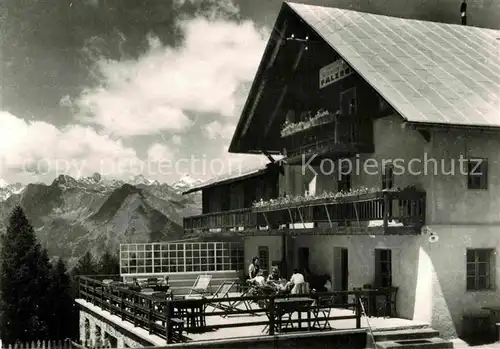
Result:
[
  {"x": 227, "y": 220},
  {"x": 384, "y": 212},
  {"x": 341, "y": 136}
]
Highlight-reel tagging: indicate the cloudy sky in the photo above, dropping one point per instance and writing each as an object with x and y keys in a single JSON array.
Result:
[{"x": 151, "y": 86}]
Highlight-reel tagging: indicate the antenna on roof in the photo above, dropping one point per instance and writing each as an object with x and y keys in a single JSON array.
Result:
[{"x": 305, "y": 40}]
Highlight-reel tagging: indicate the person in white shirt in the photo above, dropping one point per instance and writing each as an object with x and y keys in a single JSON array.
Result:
[
  {"x": 328, "y": 285},
  {"x": 298, "y": 283},
  {"x": 259, "y": 279}
]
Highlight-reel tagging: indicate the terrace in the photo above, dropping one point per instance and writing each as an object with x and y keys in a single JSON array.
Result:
[
  {"x": 167, "y": 317},
  {"x": 360, "y": 211}
]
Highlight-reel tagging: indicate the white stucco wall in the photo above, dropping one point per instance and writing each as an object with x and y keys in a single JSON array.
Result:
[
  {"x": 274, "y": 243},
  {"x": 431, "y": 277}
]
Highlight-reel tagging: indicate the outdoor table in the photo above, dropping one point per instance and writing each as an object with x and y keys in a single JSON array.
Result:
[
  {"x": 192, "y": 311},
  {"x": 288, "y": 306}
]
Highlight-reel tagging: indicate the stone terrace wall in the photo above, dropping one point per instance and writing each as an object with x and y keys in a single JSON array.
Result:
[{"x": 352, "y": 339}]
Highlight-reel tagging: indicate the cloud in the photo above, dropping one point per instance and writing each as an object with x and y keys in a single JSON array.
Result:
[
  {"x": 157, "y": 91},
  {"x": 159, "y": 152},
  {"x": 210, "y": 8},
  {"x": 39, "y": 148},
  {"x": 176, "y": 139},
  {"x": 216, "y": 129}
]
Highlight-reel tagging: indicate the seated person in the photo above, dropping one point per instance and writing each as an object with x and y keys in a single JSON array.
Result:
[
  {"x": 259, "y": 280},
  {"x": 274, "y": 276},
  {"x": 297, "y": 282},
  {"x": 328, "y": 284},
  {"x": 253, "y": 268}
]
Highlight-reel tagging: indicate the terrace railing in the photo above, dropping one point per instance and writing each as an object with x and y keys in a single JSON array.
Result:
[
  {"x": 233, "y": 219},
  {"x": 159, "y": 316},
  {"x": 386, "y": 210}
]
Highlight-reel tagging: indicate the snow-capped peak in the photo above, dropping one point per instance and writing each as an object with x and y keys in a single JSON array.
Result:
[
  {"x": 7, "y": 190},
  {"x": 140, "y": 179},
  {"x": 186, "y": 182},
  {"x": 3, "y": 183}
]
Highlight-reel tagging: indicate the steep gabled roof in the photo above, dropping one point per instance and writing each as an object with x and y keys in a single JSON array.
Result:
[{"x": 430, "y": 73}]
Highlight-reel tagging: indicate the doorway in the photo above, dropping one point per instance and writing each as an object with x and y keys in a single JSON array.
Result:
[
  {"x": 303, "y": 259},
  {"x": 348, "y": 102},
  {"x": 341, "y": 272}
]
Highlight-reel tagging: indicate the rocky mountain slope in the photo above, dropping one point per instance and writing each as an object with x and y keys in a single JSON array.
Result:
[{"x": 73, "y": 216}]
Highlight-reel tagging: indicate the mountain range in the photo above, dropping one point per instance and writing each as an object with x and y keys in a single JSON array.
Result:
[{"x": 72, "y": 216}]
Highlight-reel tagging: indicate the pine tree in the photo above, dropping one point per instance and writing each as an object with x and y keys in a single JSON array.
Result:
[
  {"x": 61, "y": 303},
  {"x": 86, "y": 265},
  {"x": 24, "y": 281},
  {"x": 109, "y": 264}
]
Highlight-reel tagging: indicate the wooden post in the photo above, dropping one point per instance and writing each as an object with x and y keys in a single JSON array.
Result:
[
  {"x": 134, "y": 310},
  {"x": 102, "y": 297},
  {"x": 122, "y": 303},
  {"x": 387, "y": 202},
  {"x": 169, "y": 311},
  {"x": 271, "y": 315},
  {"x": 150, "y": 315},
  {"x": 358, "y": 309},
  {"x": 78, "y": 287}
]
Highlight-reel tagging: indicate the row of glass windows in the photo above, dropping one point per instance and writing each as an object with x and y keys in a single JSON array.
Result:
[
  {"x": 181, "y": 257},
  {"x": 165, "y": 246}
]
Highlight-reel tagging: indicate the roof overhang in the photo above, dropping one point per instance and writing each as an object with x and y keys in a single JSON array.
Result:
[
  {"x": 271, "y": 51},
  {"x": 232, "y": 179}
]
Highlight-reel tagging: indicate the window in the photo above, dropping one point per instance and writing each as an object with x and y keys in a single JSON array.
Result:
[
  {"x": 110, "y": 341},
  {"x": 181, "y": 257},
  {"x": 352, "y": 107},
  {"x": 98, "y": 336},
  {"x": 477, "y": 174},
  {"x": 383, "y": 268},
  {"x": 387, "y": 177},
  {"x": 87, "y": 332},
  {"x": 480, "y": 269},
  {"x": 264, "y": 257}
]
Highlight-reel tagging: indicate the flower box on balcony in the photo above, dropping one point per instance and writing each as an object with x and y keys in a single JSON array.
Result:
[{"x": 325, "y": 119}]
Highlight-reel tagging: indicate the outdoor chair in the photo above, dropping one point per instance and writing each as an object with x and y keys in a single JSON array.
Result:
[
  {"x": 201, "y": 286},
  {"x": 219, "y": 301},
  {"x": 322, "y": 310},
  {"x": 250, "y": 291},
  {"x": 388, "y": 305}
]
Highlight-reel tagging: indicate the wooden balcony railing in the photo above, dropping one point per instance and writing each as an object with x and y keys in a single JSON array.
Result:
[
  {"x": 342, "y": 135},
  {"x": 234, "y": 219},
  {"x": 387, "y": 210},
  {"x": 390, "y": 210}
]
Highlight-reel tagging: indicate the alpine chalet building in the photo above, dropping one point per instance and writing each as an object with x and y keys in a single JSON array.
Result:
[{"x": 389, "y": 130}]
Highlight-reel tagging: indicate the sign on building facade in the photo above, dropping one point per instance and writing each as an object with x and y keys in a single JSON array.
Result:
[{"x": 334, "y": 72}]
